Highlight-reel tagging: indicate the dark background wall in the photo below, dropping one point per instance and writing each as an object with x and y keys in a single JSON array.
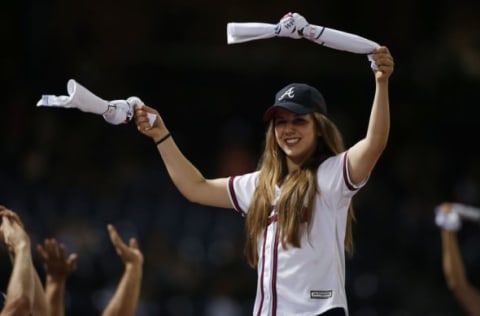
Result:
[{"x": 69, "y": 173}]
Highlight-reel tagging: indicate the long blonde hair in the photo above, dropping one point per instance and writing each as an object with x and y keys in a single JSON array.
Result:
[{"x": 298, "y": 187}]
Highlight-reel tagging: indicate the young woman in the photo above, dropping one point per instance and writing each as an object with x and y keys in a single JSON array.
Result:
[{"x": 297, "y": 205}]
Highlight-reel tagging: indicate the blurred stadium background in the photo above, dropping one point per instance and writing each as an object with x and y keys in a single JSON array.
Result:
[{"x": 69, "y": 173}]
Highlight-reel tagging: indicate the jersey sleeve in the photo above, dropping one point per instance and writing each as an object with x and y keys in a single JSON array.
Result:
[
  {"x": 241, "y": 189},
  {"x": 333, "y": 177}
]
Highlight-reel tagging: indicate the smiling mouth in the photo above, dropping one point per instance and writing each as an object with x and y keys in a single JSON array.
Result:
[{"x": 292, "y": 141}]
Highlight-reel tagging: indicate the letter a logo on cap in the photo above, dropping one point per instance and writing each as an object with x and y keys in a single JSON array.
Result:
[{"x": 289, "y": 93}]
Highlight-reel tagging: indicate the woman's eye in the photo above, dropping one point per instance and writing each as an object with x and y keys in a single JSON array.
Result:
[{"x": 299, "y": 121}]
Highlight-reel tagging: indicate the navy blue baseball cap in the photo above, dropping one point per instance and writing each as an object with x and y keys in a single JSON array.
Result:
[{"x": 299, "y": 98}]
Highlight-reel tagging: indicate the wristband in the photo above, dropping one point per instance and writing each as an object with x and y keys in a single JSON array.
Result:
[{"x": 161, "y": 140}]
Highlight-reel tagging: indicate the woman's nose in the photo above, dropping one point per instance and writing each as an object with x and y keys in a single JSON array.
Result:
[{"x": 289, "y": 127}]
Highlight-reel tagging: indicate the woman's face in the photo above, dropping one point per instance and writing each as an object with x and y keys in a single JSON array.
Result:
[{"x": 295, "y": 134}]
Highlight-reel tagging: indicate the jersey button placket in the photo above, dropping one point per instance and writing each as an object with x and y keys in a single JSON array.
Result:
[{"x": 268, "y": 273}]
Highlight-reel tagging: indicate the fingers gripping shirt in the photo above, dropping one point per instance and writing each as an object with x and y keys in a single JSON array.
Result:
[{"x": 311, "y": 279}]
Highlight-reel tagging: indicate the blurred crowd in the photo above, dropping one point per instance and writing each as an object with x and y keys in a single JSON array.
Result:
[{"x": 67, "y": 173}]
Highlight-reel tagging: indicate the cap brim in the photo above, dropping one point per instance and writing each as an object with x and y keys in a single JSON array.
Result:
[{"x": 292, "y": 107}]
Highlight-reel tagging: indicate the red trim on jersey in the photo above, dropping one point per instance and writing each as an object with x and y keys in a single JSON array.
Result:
[
  {"x": 350, "y": 186},
  {"x": 271, "y": 219},
  {"x": 274, "y": 276},
  {"x": 234, "y": 196},
  {"x": 261, "y": 274}
]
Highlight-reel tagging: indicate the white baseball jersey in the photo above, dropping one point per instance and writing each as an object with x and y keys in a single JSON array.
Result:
[{"x": 309, "y": 280}]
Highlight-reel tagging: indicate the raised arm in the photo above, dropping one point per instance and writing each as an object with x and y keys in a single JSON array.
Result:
[
  {"x": 186, "y": 177},
  {"x": 363, "y": 156},
  {"x": 454, "y": 271},
  {"x": 25, "y": 293},
  {"x": 58, "y": 268},
  {"x": 20, "y": 290},
  {"x": 125, "y": 300}
]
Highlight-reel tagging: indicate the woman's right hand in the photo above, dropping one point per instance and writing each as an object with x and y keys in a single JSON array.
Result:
[{"x": 157, "y": 130}]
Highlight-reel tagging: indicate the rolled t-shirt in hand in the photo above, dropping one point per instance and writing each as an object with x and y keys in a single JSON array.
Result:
[
  {"x": 449, "y": 221},
  {"x": 114, "y": 112},
  {"x": 466, "y": 212},
  {"x": 78, "y": 97},
  {"x": 239, "y": 32}
]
